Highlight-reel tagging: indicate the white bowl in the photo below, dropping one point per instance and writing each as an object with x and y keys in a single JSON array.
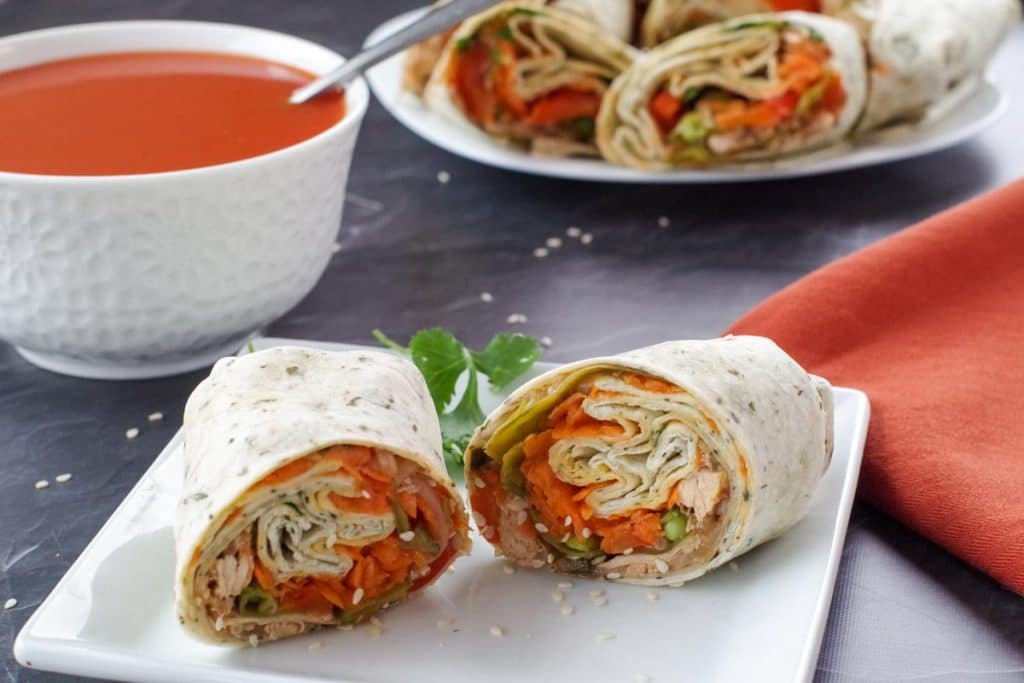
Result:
[{"x": 124, "y": 277}]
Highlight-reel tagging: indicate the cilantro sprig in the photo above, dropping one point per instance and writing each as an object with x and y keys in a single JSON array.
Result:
[{"x": 442, "y": 360}]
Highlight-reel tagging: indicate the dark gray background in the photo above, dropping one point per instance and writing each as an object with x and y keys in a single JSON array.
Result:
[{"x": 417, "y": 253}]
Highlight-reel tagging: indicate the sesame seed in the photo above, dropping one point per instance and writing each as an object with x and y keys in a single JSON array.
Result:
[
  {"x": 606, "y": 635},
  {"x": 63, "y": 478},
  {"x": 573, "y": 232},
  {"x": 219, "y": 624},
  {"x": 444, "y": 177},
  {"x": 131, "y": 433},
  {"x": 42, "y": 484},
  {"x": 315, "y": 645},
  {"x": 614, "y": 575},
  {"x": 540, "y": 252},
  {"x": 509, "y": 569},
  {"x": 546, "y": 342},
  {"x": 551, "y": 558},
  {"x": 541, "y": 527},
  {"x": 627, "y": 551},
  {"x": 568, "y": 520},
  {"x": 597, "y": 592},
  {"x": 366, "y": 495},
  {"x": 652, "y": 596},
  {"x": 11, "y": 603},
  {"x": 451, "y": 569},
  {"x": 566, "y": 536},
  {"x": 253, "y": 640},
  {"x": 445, "y": 623},
  {"x": 497, "y": 631},
  {"x": 376, "y": 631},
  {"x": 661, "y": 564},
  {"x": 157, "y": 416},
  {"x": 600, "y": 602},
  {"x": 565, "y": 585},
  {"x": 586, "y": 238},
  {"x": 587, "y": 533},
  {"x": 407, "y": 536},
  {"x": 357, "y": 597},
  {"x": 558, "y": 596},
  {"x": 516, "y": 319},
  {"x": 567, "y": 610},
  {"x": 479, "y": 483},
  {"x": 664, "y": 222},
  {"x": 486, "y": 297},
  {"x": 553, "y": 242}
]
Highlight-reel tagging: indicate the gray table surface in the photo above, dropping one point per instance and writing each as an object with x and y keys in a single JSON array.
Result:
[{"x": 418, "y": 253}]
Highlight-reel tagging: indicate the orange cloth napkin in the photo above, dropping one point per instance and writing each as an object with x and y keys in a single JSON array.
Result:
[{"x": 930, "y": 324}]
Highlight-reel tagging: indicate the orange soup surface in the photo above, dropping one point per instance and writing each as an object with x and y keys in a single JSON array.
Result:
[{"x": 149, "y": 112}]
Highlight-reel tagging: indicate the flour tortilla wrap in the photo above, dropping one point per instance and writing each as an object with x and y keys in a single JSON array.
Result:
[
  {"x": 922, "y": 52},
  {"x": 681, "y": 457},
  {"x": 299, "y": 465},
  {"x": 665, "y": 19},
  {"x": 736, "y": 91},
  {"x": 528, "y": 76}
]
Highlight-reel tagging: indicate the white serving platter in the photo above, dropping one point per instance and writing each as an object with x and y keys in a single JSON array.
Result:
[
  {"x": 759, "y": 619},
  {"x": 976, "y": 106}
]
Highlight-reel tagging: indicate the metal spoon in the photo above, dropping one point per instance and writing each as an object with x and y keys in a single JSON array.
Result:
[{"x": 433, "y": 22}]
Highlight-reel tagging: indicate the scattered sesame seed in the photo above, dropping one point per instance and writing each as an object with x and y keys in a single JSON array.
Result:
[
  {"x": 614, "y": 575},
  {"x": 131, "y": 433},
  {"x": 366, "y": 494},
  {"x": 573, "y": 232},
  {"x": 600, "y": 602},
  {"x": 11, "y": 603},
  {"x": 733, "y": 566},
  {"x": 451, "y": 569},
  {"x": 486, "y": 297},
  {"x": 541, "y": 527},
  {"x": 596, "y": 592},
  {"x": 558, "y": 596},
  {"x": 587, "y": 533},
  {"x": 497, "y": 631},
  {"x": 606, "y": 635},
  {"x": 407, "y": 536},
  {"x": 551, "y": 558},
  {"x": 155, "y": 417},
  {"x": 443, "y": 177},
  {"x": 568, "y": 520},
  {"x": 546, "y": 342},
  {"x": 661, "y": 564},
  {"x": 63, "y": 478},
  {"x": 219, "y": 624},
  {"x": 652, "y": 596},
  {"x": 627, "y": 551},
  {"x": 376, "y": 631},
  {"x": 357, "y": 597},
  {"x": 567, "y": 610},
  {"x": 315, "y": 645},
  {"x": 253, "y": 640},
  {"x": 480, "y": 484},
  {"x": 445, "y": 623},
  {"x": 664, "y": 222},
  {"x": 566, "y": 536},
  {"x": 540, "y": 252},
  {"x": 565, "y": 585},
  {"x": 516, "y": 319},
  {"x": 509, "y": 569},
  {"x": 553, "y": 242},
  {"x": 335, "y": 247},
  {"x": 42, "y": 484},
  {"x": 586, "y": 238}
]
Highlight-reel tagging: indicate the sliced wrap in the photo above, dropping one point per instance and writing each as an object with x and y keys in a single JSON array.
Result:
[
  {"x": 758, "y": 87},
  {"x": 529, "y": 76},
  {"x": 654, "y": 466},
  {"x": 315, "y": 494},
  {"x": 666, "y": 19},
  {"x": 922, "y": 52}
]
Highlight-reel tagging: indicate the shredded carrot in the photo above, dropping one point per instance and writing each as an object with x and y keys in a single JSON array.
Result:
[
  {"x": 563, "y": 104},
  {"x": 651, "y": 384},
  {"x": 263, "y": 575},
  {"x": 286, "y": 472}
]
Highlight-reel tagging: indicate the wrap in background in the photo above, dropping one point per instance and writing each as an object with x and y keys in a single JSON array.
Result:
[
  {"x": 654, "y": 466},
  {"x": 666, "y": 19},
  {"x": 922, "y": 52},
  {"x": 528, "y": 76},
  {"x": 755, "y": 88},
  {"x": 315, "y": 494}
]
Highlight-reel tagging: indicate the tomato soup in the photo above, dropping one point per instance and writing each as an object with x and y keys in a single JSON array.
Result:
[{"x": 149, "y": 112}]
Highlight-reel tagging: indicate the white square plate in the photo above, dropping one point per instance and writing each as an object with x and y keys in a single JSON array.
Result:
[{"x": 762, "y": 618}]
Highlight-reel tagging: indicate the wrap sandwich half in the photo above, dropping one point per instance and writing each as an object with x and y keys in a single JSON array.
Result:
[
  {"x": 315, "y": 494},
  {"x": 922, "y": 52},
  {"x": 654, "y": 466},
  {"x": 528, "y": 76},
  {"x": 666, "y": 19},
  {"x": 754, "y": 88}
]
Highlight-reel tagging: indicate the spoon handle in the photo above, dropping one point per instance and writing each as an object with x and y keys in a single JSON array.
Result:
[{"x": 435, "y": 21}]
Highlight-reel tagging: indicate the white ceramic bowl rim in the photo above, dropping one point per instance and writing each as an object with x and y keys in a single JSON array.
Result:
[{"x": 356, "y": 93}]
